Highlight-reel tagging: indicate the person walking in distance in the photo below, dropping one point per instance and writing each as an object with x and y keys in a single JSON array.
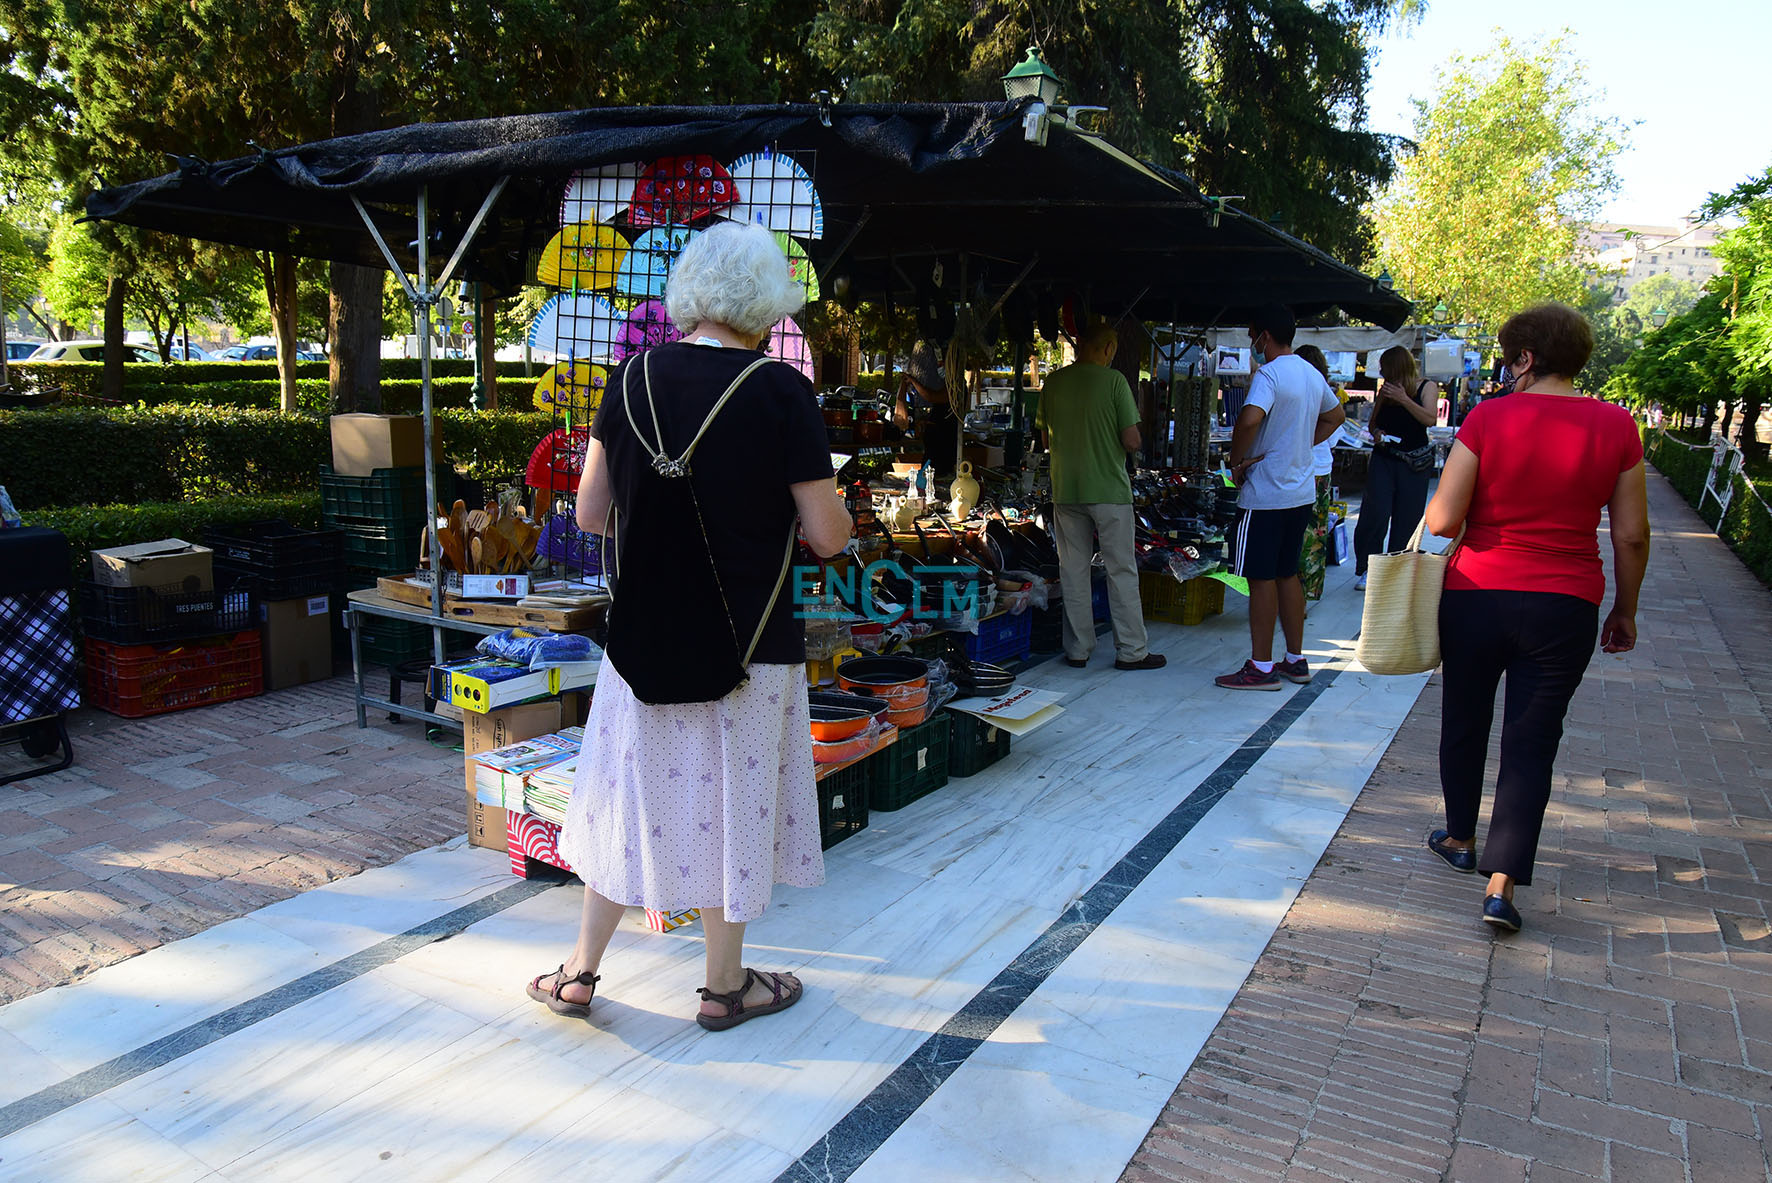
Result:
[
  {"x": 1091, "y": 426},
  {"x": 1290, "y": 409}
]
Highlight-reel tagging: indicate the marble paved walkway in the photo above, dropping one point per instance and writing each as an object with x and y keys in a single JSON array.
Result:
[{"x": 1624, "y": 1034}]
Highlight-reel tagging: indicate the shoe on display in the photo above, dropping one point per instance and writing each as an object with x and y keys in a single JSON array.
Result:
[
  {"x": 1463, "y": 861},
  {"x": 1294, "y": 671},
  {"x": 1150, "y": 661},
  {"x": 1501, "y": 914},
  {"x": 1249, "y": 678},
  {"x": 1359, "y": 583}
]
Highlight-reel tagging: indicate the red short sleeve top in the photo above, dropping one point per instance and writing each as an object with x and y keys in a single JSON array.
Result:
[{"x": 1546, "y": 467}]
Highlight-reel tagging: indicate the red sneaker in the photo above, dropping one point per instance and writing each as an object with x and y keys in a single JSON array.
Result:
[
  {"x": 1249, "y": 678},
  {"x": 1294, "y": 671}
]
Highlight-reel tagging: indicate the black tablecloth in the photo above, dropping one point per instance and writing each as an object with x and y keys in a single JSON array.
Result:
[{"x": 33, "y": 559}]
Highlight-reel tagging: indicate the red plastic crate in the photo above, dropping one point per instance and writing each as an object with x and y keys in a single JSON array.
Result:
[{"x": 140, "y": 680}]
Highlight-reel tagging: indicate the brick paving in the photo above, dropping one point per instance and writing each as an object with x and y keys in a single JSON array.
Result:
[
  {"x": 1625, "y": 1034},
  {"x": 165, "y": 826}
]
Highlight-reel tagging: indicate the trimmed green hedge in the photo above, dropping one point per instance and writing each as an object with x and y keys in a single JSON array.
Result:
[
  {"x": 181, "y": 453},
  {"x": 314, "y": 395},
  {"x": 97, "y": 527},
  {"x": 1746, "y": 527},
  {"x": 87, "y": 377}
]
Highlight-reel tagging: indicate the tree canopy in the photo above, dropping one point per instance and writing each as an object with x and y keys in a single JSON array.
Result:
[{"x": 1512, "y": 158}]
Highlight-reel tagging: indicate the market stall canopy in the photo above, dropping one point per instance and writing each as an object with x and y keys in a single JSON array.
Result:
[{"x": 903, "y": 187}]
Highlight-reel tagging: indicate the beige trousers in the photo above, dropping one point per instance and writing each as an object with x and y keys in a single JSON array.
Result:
[{"x": 1076, "y": 530}]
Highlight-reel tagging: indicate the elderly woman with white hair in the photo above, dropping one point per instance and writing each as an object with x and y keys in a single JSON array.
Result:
[{"x": 695, "y": 787}]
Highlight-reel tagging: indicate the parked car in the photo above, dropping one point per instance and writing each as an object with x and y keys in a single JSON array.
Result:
[
  {"x": 19, "y": 350},
  {"x": 89, "y": 351},
  {"x": 197, "y": 353}
]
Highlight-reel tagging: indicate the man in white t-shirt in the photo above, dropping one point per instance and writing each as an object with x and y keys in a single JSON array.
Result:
[{"x": 1290, "y": 409}]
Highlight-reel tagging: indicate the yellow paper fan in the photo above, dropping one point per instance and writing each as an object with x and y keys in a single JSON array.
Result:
[
  {"x": 575, "y": 387},
  {"x": 584, "y": 253}
]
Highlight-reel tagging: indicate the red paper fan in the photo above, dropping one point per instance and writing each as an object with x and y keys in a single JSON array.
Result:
[{"x": 680, "y": 190}]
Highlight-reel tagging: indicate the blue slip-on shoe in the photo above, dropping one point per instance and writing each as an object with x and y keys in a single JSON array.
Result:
[
  {"x": 1462, "y": 861},
  {"x": 1501, "y": 914}
]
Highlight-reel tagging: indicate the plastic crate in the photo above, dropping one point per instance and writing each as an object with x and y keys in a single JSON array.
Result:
[
  {"x": 383, "y": 550},
  {"x": 1187, "y": 603},
  {"x": 1046, "y": 633},
  {"x": 912, "y": 768},
  {"x": 973, "y": 744},
  {"x": 145, "y": 615},
  {"x": 140, "y": 680},
  {"x": 843, "y": 804},
  {"x": 1098, "y": 596},
  {"x": 390, "y": 642},
  {"x": 1002, "y": 638},
  {"x": 276, "y": 561},
  {"x": 387, "y": 497}
]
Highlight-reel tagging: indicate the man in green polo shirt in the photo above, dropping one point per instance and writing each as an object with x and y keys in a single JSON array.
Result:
[{"x": 1091, "y": 423}]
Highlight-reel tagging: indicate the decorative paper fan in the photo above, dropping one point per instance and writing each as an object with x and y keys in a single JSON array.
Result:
[
  {"x": 787, "y": 343},
  {"x": 799, "y": 266},
  {"x": 649, "y": 261},
  {"x": 646, "y": 327},
  {"x": 585, "y": 253},
  {"x": 558, "y": 460},
  {"x": 575, "y": 386},
  {"x": 680, "y": 190},
  {"x": 581, "y": 326},
  {"x": 776, "y": 192},
  {"x": 598, "y": 194}
]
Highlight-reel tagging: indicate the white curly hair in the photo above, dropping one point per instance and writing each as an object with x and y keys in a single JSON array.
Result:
[{"x": 734, "y": 275}]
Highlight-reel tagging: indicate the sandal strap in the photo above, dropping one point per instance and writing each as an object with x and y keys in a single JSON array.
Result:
[
  {"x": 734, "y": 1002},
  {"x": 583, "y": 978}
]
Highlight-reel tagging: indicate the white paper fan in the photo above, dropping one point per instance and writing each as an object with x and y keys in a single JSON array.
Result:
[
  {"x": 598, "y": 194},
  {"x": 787, "y": 343},
  {"x": 582, "y": 327},
  {"x": 775, "y": 191}
]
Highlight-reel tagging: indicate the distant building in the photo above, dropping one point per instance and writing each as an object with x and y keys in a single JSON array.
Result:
[{"x": 1627, "y": 254}]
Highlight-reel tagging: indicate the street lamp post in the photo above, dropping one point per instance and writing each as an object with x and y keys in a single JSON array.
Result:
[
  {"x": 1658, "y": 317},
  {"x": 1033, "y": 79}
]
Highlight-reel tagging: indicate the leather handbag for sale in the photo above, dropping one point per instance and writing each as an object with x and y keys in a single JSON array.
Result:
[{"x": 1400, "y": 625}]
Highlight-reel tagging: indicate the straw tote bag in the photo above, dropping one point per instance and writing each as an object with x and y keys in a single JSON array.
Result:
[{"x": 1400, "y": 625}]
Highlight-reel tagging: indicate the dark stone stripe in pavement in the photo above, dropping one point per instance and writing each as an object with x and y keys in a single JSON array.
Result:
[
  {"x": 861, "y": 1131},
  {"x": 90, "y": 1083}
]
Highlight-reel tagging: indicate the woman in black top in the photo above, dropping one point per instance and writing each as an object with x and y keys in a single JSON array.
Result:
[
  {"x": 1396, "y": 487},
  {"x": 694, "y": 787}
]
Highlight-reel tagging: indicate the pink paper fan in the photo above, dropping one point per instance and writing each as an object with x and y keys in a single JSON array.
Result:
[
  {"x": 646, "y": 327},
  {"x": 787, "y": 343}
]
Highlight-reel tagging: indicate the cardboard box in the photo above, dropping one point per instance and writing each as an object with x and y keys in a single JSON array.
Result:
[
  {"x": 362, "y": 443},
  {"x": 170, "y": 562},
  {"x": 297, "y": 640},
  {"x": 982, "y": 456},
  {"x": 488, "y": 825}
]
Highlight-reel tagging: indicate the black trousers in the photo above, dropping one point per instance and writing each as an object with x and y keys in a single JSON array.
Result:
[
  {"x": 1542, "y": 641},
  {"x": 1393, "y": 503}
]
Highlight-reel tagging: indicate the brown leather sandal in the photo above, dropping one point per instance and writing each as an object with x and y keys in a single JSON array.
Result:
[
  {"x": 737, "y": 1012},
  {"x": 559, "y": 1005}
]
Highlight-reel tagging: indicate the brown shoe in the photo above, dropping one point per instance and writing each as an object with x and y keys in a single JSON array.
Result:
[
  {"x": 1150, "y": 661},
  {"x": 1077, "y": 663}
]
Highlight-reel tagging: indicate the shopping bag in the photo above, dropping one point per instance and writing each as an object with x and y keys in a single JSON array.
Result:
[
  {"x": 1339, "y": 550},
  {"x": 1400, "y": 625}
]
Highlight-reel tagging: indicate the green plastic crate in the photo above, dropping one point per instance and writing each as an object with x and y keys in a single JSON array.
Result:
[
  {"x": 387, "y": 497},
  {"x": 914, "y": 767},
  {"x": 843, "y": 804},
  {"x": 973, "y": 744},
  {"x": 381, "y": 550}
]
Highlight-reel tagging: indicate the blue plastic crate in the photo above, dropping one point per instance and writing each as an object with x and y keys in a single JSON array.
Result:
[
  {"x": 1098, "y": 598},
  {"x": 1002, "y": 638}
]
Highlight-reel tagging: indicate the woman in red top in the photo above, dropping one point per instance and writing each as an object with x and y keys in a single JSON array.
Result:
[{"x": 1527, "y": 479}]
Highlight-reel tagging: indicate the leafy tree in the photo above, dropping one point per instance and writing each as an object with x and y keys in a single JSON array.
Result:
[
  {"x": 1264, "y": 98},
  {"x": 1684, "y": 367},
  {"x": 1745, "y": 287},
  {"x": 1512, "y": 158},
  {"x": 1667, "y": 293}
]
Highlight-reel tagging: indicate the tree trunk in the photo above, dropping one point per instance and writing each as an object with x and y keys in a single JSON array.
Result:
[
  {"x": 354, "y": 324},
  {"x": 279, "y": 276},
  {"x": 1728, "y": 419},
  {"x": 1708, "y": 423},
  {"x": 1751, "y": 445},
  {"x": 486, "y": 343},
  {"x": 116, "y": 291}
]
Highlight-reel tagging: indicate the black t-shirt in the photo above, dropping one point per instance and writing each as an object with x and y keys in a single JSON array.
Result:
[
  {"x": 1394, "y": 420},
  {"x": 769, "y": 435}
]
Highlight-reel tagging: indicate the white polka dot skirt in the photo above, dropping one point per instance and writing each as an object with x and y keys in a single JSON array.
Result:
[{"x": 697, "y": 805}]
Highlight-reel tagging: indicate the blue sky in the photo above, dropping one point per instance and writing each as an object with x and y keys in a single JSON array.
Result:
[{"x": 1693, "y": 75}]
